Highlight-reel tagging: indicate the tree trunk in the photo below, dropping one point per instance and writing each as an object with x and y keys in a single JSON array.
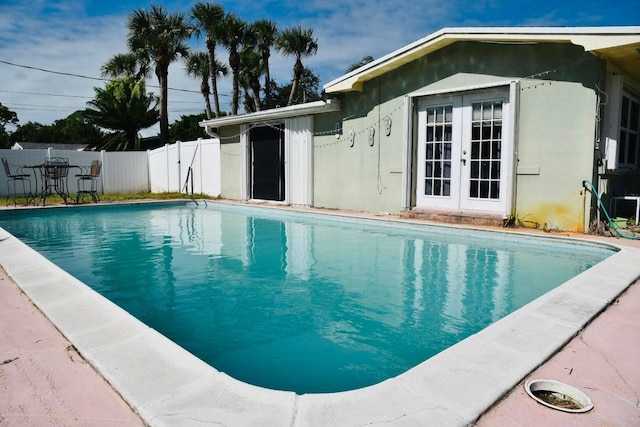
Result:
[
  {"x": 163, "y": 76},
  {"x": 267, "y": 78},
  {"x": 204, "y": 89},
  {"x": 255, "y": 91},
  {"x": 213, "y": 73},
  {"x": 234, "y": 63},
  {"x": 297, "y": 73}
]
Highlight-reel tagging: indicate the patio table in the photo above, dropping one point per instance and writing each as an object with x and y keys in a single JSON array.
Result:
[{"x": 55, "y": 184}]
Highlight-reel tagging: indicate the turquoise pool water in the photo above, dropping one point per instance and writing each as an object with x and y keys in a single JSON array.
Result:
[{"x": 301, "y": 302}]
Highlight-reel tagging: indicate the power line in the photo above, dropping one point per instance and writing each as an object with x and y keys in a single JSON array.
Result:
[
  {"x": 88, "y": 77},
  {"x": 46, "y": 106},
  {"x": 51, "y": 109},
  {"x": 79, "y": 96},
  {"x": 52, "y": 72},
  {"x": 45, "y": 94}
]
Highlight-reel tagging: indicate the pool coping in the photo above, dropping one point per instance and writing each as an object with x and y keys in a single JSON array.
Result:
[{"x": 166, "y": 385}]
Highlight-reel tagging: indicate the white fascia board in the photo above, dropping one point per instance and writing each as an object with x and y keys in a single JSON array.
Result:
[
  {"x": 274, "y": 114},
  {"x": 591, "y": 38}
]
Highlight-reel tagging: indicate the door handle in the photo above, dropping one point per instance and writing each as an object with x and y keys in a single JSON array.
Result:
[{"x": 464, "y": 161}]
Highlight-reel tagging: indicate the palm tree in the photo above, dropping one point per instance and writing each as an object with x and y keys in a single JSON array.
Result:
[
  {"x": 266, "y": 34},
  {"x": 249, "y": 75},
  {"x": 162, "y": 36},
  {"x": 232, "y": 35},
  {"x": 208, "y": 17},
  {"x": 298, "y": 43},
  {"x": 198, "y": 67},
  {"x": 123, "y": 106},
  {"x": 364, "y": 61},
  {"x": 131, "y": 64}
]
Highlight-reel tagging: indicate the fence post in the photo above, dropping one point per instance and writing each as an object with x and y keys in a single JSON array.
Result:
[
  {"x": 179, "y": 146},
  {"x": 103, "y": 170},
  {"x": 166, "y": 161}
]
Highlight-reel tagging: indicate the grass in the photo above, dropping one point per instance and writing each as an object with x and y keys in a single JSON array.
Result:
[{"x": 113, "y": 198}]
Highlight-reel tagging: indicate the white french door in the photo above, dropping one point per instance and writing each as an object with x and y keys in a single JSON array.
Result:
[{"x": 463, "y": 152}]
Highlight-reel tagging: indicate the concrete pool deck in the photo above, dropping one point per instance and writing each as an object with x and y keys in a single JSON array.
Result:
[{"x": 166, "y": 385}]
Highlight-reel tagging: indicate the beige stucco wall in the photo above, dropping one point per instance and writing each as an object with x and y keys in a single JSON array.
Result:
[
  {"x": 556, "y": 120},
  {"x": 555, "y": 129},
  {"x": 363, "y": 177},
  {"x": 555, "y": 153}
]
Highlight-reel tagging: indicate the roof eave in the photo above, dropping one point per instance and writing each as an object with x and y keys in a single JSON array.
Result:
[
  {"x": 309, "y": 108},
  {"x": 591, "y": 38}
]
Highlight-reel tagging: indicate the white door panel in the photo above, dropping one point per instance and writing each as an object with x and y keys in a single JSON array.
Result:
[
  {"x": 463, "y": 152},
  {"x": 485, "y": 127},
  {"x": 439, "y": 153}
]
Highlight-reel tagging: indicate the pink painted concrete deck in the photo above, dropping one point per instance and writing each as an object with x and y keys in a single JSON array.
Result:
[
  {"x": 43, "y": 381},
  {"x": 602, "y": 361}
]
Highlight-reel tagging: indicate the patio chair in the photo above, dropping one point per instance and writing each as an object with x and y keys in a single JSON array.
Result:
[
  {"x": 19, "y": 176},
  {"x": 88, "y": 181},
  {"x": 54, "y": 176}
]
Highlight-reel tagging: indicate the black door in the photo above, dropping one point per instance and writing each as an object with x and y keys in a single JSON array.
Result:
[{"x": 267, "y": 159}]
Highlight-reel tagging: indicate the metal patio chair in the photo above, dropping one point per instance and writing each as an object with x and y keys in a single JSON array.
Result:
[
  {"x": 88, "y": 181},
  {"x": 19, "y": 176},
  {"x": 54, "y": 175}
]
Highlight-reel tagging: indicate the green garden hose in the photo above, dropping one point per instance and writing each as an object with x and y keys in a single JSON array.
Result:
[{"x": 612, "y": 224}]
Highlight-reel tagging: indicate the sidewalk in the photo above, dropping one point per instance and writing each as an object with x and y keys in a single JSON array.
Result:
[{"x": 43, "y": 381}]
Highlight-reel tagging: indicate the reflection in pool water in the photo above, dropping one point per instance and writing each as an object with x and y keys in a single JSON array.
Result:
[{"x": 299, "y": 302}]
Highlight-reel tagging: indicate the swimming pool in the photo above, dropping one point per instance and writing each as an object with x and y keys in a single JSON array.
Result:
[{"x": 363, "y": 301}]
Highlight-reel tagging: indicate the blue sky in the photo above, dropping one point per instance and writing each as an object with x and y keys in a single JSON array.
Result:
[{"x": 78, "y": 36}]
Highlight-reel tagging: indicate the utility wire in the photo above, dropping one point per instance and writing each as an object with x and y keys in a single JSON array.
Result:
[
  {"x": 89, "y": 77},
  {"x": 45, "y": 94},
  {"x": 52, "y": 72}
]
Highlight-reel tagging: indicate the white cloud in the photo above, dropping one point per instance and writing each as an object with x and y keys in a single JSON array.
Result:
[
  {"x": 70, "y": 43},
  {"x": 63, "y": 35}
]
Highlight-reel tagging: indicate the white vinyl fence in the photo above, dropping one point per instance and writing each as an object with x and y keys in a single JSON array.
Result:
[
  {"x": 161, "y": 170},
  {"x": 184, "y": 166}
]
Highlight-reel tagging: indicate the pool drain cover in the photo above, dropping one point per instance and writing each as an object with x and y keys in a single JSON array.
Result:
[{"x": 557, "y": 395}]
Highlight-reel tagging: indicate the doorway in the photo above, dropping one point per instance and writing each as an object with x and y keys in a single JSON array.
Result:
[
  {"x": 267, "y": 163},
  {"x": 463, "y": 152}
]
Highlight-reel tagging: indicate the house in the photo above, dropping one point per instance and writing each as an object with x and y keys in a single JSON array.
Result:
[
  {"x": 478, "y": 125},
  {"x": 41, "y": 145}
]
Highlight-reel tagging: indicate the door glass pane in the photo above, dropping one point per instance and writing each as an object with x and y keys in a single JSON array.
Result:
[
  {"x": 446, "y": 169},
  {"x": 495, "y": 189},
  {"x": 475, "y": 132},
  {"x": 484, "y": 190},
  {"x": 486, "y": 130},
  {"x": 497, "y": 110},
  {"x": 429, "y": 151},
  {"x": 495, "y": 170},
  {"x": 475, "y": 169},
  {"x": 496, "y": 147},
  {"x": 447, "y": 151},
  {"x": 473, "y": 188},
  {"x": 475, "y": 149},
  {"x": 484, "y": 170},
  {"x": 438, "y": 142},
  {"x": 486, "y": 150},
  {"x": 437, "y": 188}
]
